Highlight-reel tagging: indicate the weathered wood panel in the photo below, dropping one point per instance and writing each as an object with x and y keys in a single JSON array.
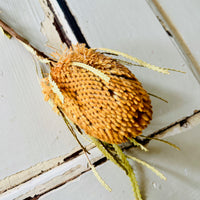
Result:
[
  {"x": 182, "y": 18},
  {"x": 30, "y": 132},
  {"x": 132, "y": 27},
  {"x": 180, "y": 167},
  {"x": 41, "y": 135}
]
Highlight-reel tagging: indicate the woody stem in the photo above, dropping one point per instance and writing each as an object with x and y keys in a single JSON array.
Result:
[{"x": 40, "y": 55}]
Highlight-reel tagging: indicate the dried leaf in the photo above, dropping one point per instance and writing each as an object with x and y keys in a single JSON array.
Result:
[
  {"x": 55, "y": 89},
  {"x": 153, "y": 95},
  {"x": 106, "y": 152},
  {"x": 132, "y": 140},
  {"x": 131, "y": 173},
  {"x": 6, "y": 33},
  {"x": 93, "y": 70},
  {"x": 107, "y": 187},
  {"x": 141, "y": 62},
  {"x": 148, "y": 166},
  {"x": 161, "y": 140}
]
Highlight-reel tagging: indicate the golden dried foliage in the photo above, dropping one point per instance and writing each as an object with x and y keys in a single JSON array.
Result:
[{"x": 110, "y": 111}]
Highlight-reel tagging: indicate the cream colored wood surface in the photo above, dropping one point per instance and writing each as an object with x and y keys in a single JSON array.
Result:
[
  {"x": 180, "y": 167},
  {"x": 131, "y": 27},
  {"x": 183, "y": 19},
  {"x": 31, "y": 132}
]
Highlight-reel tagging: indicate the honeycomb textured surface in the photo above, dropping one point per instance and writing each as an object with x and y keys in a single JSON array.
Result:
[{"x": 110, "y": 111}]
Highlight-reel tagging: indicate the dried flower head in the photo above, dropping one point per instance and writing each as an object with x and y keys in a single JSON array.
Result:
[
  {"x": 101, "y": 96},
  {"x": 112, "y": 109}
]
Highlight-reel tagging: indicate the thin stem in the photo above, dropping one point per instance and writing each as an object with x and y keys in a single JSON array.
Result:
[
  {"x": 72, "y": 130},
  {"x": 153, "y": 95},
  {"x": 40, "y": 55},
  {"x": 160, "y": 140}
]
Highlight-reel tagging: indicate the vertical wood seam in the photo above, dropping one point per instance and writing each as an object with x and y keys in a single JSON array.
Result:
[
  {"x": 72, "y": 22},
  {"x": 181, "y": 44}
]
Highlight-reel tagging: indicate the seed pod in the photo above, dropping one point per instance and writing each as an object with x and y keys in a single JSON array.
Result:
[{"x": 112, "y": 110}]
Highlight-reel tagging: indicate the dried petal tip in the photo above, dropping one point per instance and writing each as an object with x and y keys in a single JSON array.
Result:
[{"x": 110, "y": 111}]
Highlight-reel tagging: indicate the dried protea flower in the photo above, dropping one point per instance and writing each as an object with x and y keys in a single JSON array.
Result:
[{"x": 113, "y": 109}]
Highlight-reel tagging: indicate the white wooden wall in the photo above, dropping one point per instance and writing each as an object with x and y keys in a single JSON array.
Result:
[{"x": 35, "y": 142}]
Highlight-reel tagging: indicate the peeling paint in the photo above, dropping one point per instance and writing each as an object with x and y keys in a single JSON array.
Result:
[
  {"x": 178, "y": 127},
  {"x": 48, "y": 28},
  {"x": 38, "y": 170}
]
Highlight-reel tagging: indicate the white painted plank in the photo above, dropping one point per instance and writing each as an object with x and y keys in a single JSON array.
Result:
[
  {"x": 180, "y": 168},
  {"x": 152, "y": 46},
  {"x": 48, "y": 175},
  {"x": 30, "y": 131},
  {"x": 102, "y": 27},
  {"x": 25, "y": 18},
  {"x": 65, "y": 25},
  {"x": 184, "y": 19},
  {"x": 51, "y": 179},
  {"x": 131, "y": 27}
]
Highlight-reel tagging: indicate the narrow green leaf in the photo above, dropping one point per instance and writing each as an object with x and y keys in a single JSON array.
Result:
[
  {"x": 161, "y": 140},
  {"x": 107, "y": 187},
  {"x": 148, "y": 166},
  {"x": 132, "y": 140},
  {"x": 131, "y": 173}
]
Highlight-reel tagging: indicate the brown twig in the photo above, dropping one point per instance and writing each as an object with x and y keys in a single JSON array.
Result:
[{"x": 40, "y": 55}]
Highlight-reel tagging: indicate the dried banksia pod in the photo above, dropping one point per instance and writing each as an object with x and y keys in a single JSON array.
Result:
[
  {"x": 109, "y": 104},
  {"x": 101, "y": 96}
]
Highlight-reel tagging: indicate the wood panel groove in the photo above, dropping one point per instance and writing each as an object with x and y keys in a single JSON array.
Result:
[
  {"x": 41, "y": 168},
  {"x": 24, "y": 176},
  {"x": 54, "y": 187},
  {"x": 72, "y": 22},
  {"x": 37, "y": 172},
  {"x": 58, "y": 26},
  {"x": 167, "y": 22}
]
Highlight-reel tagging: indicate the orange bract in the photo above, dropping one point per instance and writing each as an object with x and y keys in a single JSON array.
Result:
[{"x": 111, "y": 112}]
